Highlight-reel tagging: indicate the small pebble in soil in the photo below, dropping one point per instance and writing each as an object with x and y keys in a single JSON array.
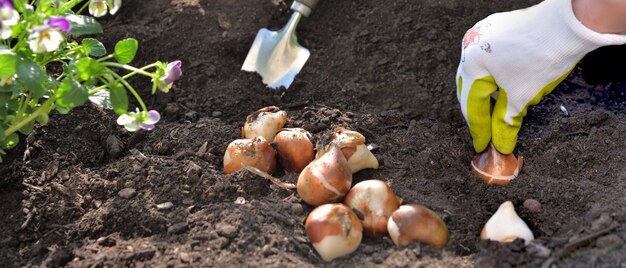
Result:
[
  {"x": 268, "y": 250},
  {"x": 127, "y": 193},
  {"x": 297, "y": 209},
  {"x": 216, "y": 114},
  {"x": 184, "y": 257},
  {"x": 226, "y": 230},
  {"x": 177, "y": 228},
  {"x": 166, "y": 205},
  {"x": 532, "y": 205},
  {"x": 240, "y": 200},
  {"x": 219, "y": 243},
  {"x": 106, "y": 241}
]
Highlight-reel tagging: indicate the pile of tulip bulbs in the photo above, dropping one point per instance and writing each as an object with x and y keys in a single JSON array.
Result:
[{"x": 342, "y": 212}]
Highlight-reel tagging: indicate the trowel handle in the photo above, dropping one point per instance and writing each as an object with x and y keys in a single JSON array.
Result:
[
  {"x": 309, "y": 3},
  {"x": 304, "y": 6}
]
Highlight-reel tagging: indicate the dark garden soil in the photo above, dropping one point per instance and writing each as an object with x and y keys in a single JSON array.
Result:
[{"x": 384, "y": 68}]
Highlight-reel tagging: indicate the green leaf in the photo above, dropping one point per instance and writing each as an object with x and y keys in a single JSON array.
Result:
[
  {"x": 88, "y": 69},
  {"x": 19, "y": 5},
  {"x": 70, "y": 94},
  {"x": 62, "y": 110},
  {"x": 82, "y": 25},
  {"x": 28, "y": 128},
  {"x": 10, "y": 141},
  {"x": 102, "y": 98},
  {"x": 18, "y": 29},
  {"x": 43, "y": 119},
  {"x": 94, "y": 47},
  {"x": 8, "y": 62},
  {"x": 125, "y": 50},
  {"x": 32, "y": 77},
  {"x": 119, "y": 99}
]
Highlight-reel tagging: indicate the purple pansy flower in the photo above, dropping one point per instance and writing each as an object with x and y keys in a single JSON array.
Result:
[
  {"x": 48, "y": 37},
  {"x": 60, "y": 23},
  {"x": 134, "y": 121},
  {"x": 173, "y": 72},
  {"x": 8, "y": 17},
  {"x": 98, "y": 8}
]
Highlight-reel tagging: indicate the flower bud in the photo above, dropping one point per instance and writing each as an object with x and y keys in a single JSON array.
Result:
[
  {"x": 506, "y": 226},
  {"x": 326, "y": 179},
  {"x": 265, "y": 122},
  {"x": 255, "y": 152},
  {"x": 295, "y": 149},
  {"x": 334, "y": 230},
  {"x": 375, "y": 201},
  {"x": 417, "y": 223}
]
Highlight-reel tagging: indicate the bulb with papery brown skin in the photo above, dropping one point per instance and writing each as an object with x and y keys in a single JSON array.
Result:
[
  {"x": 506, "y": 226},
  {"x": 353, "y": 146},
  {"x": 265, "y": 122},
  {"x": 326, "y": 179},
  {"x": 294, "y": 147},
  {"x": 375, "y": 201},
  {"x": 417, "y": 223},
  {"x": 255, "y": 152},
  {"x": 362, "y": 158},
  {"x": 334, "y": 230},
  {"x": 344, "y": 136},
  {"x": 494, "y": 167}
]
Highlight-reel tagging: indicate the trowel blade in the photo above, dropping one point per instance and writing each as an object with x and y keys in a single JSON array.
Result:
[{"x": 277, "y": 57}]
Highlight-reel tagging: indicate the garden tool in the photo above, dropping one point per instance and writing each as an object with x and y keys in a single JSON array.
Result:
[{"x": 277, "y": 56}]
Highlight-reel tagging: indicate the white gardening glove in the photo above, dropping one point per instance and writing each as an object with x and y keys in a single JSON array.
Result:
[{"x": 522, "y": 54}]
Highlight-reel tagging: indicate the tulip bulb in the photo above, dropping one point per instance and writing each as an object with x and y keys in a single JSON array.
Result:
[
  {"x": 353, "y": 146},
  {"x": 265, "y": 122},
  {"x": 361, "y": 159},
  {"x": 255, "y": 152},
  {"x": 345, "y": 136},
  {"x": 506, "y": 226},
  {"x": 295, "y": 149},
  {"x": 334, "y": 230},
  {"x": 375, "y": 201},
  {"x": 326, "y": 179},
  {"x": 417, "y": 223}
]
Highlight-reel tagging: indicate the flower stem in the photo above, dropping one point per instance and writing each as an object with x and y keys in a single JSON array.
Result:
[
  {"x": 124, "y": 77},
  {"x": 131, "y": 68},
  {"x": 131, "y": 89},
  {"x": 106, "y": 57},
  {"x": 44, "y": 108},
  {"x": 83, "y": 7},
  {"x": 70, "y": 5}
]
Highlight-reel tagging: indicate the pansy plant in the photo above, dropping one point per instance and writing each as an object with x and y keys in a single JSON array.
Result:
[
  {"x": 8, "y": 18},
  {"x": 48, "y": 37},
  {"x": 50, "y": 33},
  {"x": 98, "y": 8}
]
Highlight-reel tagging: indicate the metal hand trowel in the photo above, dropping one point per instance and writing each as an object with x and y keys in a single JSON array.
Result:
[{"x": 277, "y": 56}]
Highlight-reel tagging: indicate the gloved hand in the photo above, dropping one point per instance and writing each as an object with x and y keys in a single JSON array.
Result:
[{"x": 522, "y": 55}]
